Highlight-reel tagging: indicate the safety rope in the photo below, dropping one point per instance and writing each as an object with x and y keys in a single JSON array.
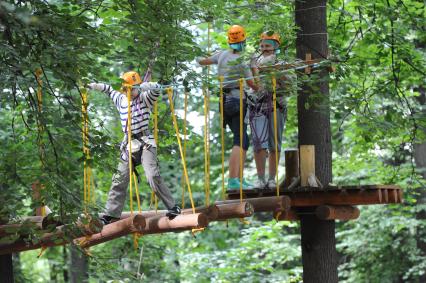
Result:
[
  {"x": 274, "y": 101},
  {"x": 241, "y": 137},
  {"x": 222, "y": 134},
  {"x": 170, "y": 96}
]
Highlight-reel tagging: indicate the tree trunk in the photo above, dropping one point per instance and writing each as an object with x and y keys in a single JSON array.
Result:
[
  {"x": 6, "y": 268},
  {"x": 79, "y": 266},
  {"x": 319, "y": 254},
  {"x": 420, "y": 158}
]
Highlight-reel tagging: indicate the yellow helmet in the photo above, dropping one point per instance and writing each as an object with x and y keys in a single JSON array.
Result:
[
  {"x": 268, "y": 35},
  {"x": 131, "y": 78},
  {"x": 236, "y": 34}
]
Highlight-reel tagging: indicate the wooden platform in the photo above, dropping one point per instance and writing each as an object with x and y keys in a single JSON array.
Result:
[{"x": 331, "y": 195}]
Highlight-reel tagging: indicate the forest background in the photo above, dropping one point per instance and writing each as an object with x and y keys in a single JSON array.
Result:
[{"x": 378, "y": 129}]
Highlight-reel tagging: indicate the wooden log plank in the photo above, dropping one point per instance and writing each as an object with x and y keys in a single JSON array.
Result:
[
  {"x": 211, "y": 212},
  {"x": 235, "y": 210},
  {"x": 340, "y": 212},
  {"x": 162, "y": 224},
  {"x": 61, "y": 235},
  {"x": 264, "y": 203},
  {"x": 133, "y": 224},
  {"x": 303, "y": 199}
]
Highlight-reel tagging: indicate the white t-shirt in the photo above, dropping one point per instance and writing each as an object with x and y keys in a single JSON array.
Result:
[{"x": 230, "y": 68}]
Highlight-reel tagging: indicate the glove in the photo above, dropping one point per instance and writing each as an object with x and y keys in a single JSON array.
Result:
[
  {"x": 198, "y": 60},
  {"x": 148, "y": 86},
  {"x": 94, "y": 86}
]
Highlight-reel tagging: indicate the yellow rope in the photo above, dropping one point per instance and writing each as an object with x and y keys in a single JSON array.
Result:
[
  {"x": 170, "y": 95},
  {"x": 85, "y": 129},
  {"x": 129, "y": 142},
  {"x": 274, "y": 101},
  {"x": 185, "y": 109},
  {"x": 241, "y": 137},
  {"x": 222, "y": 135},
  {"x": 38, "y": 74},
  {"x": 157, "y": 143}
]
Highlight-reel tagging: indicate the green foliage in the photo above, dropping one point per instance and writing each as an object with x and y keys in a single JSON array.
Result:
[{"x": 378, "y": 47}]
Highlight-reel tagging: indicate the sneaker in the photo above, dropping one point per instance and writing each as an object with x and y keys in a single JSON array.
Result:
[
  {"x": 234, "y": 184},
  {"x": 106, "y": 219},
  {"x": 260, "y": 184},
  {"x": 173, "y": 212},
  {"x": 271, "y": 184}
]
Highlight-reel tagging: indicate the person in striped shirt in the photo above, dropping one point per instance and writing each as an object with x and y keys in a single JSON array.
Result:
[{"x": 143, "y": 146}]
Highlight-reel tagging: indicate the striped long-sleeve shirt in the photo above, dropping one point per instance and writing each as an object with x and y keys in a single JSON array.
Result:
[{"x": 141, "y": 108}]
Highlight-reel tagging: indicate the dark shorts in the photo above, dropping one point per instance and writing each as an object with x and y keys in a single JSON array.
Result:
[{"x": 231, "y": 117}]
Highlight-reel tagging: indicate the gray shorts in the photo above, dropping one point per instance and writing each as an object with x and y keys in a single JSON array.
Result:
[{"x": 262, "y": 130}]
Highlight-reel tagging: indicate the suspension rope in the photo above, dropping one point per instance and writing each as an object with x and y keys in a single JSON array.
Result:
[
  {"x": 222, "y": 135},
  {"x": 170, "y": 96},
  {"x": 87, "y": 175},
  {"x": 207, "y": 126},
  {"x": 274, "y": 101},
  {"x": 38, "y": 74},
  {"x": 153, "y": 195},
  {"x": 241, "y": 137}
]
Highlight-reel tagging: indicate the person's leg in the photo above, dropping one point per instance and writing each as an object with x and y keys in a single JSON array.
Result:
[
  {"x": 273, "y": 155},
  {"x": 118, "y": 191},
  {"x": 152, "y": 173},
  {"x": 259, "y": 131}
]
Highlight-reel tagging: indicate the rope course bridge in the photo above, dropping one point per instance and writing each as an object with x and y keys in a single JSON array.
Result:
[{"x": 299, "y": 193}]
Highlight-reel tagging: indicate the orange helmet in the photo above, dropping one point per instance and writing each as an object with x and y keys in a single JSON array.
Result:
[
  {"x": 273, "y": 36},
  {"x": 236, "y": 34},
  {"x": 131, "y": 78}
]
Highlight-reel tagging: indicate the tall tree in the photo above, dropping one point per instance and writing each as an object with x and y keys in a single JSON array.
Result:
[{"x": 319, "y": 254}]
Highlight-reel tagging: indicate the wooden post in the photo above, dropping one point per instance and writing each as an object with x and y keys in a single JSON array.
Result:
[
  {"x": 307, "y": 164},
  {"x": 134, "y": 224},
  {"x": 291, "y": 166},
  {"x": 338, "y": 212},
  {"x": 308, "y": 60},
  {"x": 42, "y": 210}
]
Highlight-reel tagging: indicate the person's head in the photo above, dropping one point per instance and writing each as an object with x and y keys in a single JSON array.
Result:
[
  {"x": 270, "y": 43},
  {"x": 132, "y": 80},
  {"x": 236, "y": 38}
]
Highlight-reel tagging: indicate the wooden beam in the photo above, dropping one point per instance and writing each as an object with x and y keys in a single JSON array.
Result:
[
  {"x": 60, "y": 236},
  {"x": 133, "y": 224},
  {"x": 307, "y": 164},
  {"x": 264, "y": 203},
  {"x": 291, "y": 166},
  {"x": 162, "y": 224},
  {"x": 235, "y": 210},
  {"x": 337, "y": 212}
]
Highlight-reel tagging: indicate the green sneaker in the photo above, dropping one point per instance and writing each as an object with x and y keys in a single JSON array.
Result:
[{"x": 234, "y": 184}]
